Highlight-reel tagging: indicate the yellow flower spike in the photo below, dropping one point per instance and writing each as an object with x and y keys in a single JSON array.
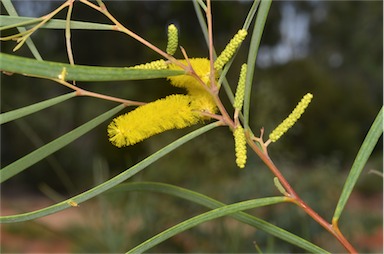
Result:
[
  {"x": 230, "y": 49},
  {"x": 202, "y": 99},
  {"x": 291, "y": 119},
  {"x": 239, "y": 97},
  {"x": 240, "y": 146},
  {"x": 171, "y": 112},
  {"x": 203, "y": 102},
  {"x": 154, "y": 65},
  {"x": 200, "y": 65},
  {"x": 173, "y": 39}
]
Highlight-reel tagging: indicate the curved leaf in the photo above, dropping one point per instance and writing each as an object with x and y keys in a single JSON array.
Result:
[
  {"x": 110, "y": 183},
  {"x": 252, "y": 55},
  {"x": 365, "y": 151},
  {"x": 212, "y": 203},
  {"x": 213, "y": 214}
]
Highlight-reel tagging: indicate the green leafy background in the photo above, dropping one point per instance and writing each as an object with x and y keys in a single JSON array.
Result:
[{"x": 315, "y": 155}]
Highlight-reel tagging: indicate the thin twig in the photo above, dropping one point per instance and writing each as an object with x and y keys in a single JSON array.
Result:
[
  {"x": 83, "y": 92},
  {"x": 68, "y": 34}
]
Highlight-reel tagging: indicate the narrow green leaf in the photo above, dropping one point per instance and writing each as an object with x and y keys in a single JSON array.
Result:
[
  {"x": 365, "y": 151},
  {"x": 251, "y": 14},
  {"x": 12, "y": 11},
  {"x": 213, "y": 204},
  {"x": 44, "y": 151},
  {"x": 213, "y": 214},
  {"x": 258, "y": 29},
  {"x": 110, "y": 183},
  {"x": 28, "y": 66},
  {"x": 21, "y": 112},
  {"x": 10, "y": 22},
  {"x": 201, "y": 19}
]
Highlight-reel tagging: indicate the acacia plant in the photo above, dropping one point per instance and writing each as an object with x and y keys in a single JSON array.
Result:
[{"x": 202, "y": 79}]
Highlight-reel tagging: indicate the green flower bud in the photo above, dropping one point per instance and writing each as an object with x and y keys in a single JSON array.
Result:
[
  {"x": 240, "y": 146},
  {"x": 291, "y": 119},
  {"x": 230, "y": 49},
  {"x": 239, "y": 97},
  {"x": 173, "y": 39}
]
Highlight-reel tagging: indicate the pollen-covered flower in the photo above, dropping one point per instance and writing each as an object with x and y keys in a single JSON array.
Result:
[
  {"x": 230, "y": 49},
  {"x": 240, "y": 146},
  {"x": 201, "y": 66},
  {"x": 291, "y": 119},
  {"x": 154, "y": 65},
  {"x": 173, "y": 39},
  {"x": 171, "y": 112},
  {"x": 201, "y": 98}
]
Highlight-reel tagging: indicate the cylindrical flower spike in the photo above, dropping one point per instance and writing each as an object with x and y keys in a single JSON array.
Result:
[
  {"x": 173, "y": 39},
  {"x": 200, "y": 66},
  {"x": 230, "y": 49},
  {"x": 202, "y": 99},
  {"x": 239, "y": 97},
  {"x": 291, "y": 119},
  {"x": 240, "y": 146},
  {"x": 154, "y": 65},
  {"x": 171, "y": 112}
]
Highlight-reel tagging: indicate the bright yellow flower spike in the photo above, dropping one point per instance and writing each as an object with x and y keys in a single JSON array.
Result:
[
  {"x": 291, "y": 119},
  {"x": 200, "y": 65},
  {"x": 202, "y": 99},
  {"x": 172, "y": 112},
  {"x": 173, "y": 39},
  {"x": 177, "y": 111},
  {"x": 240, "y": 146}
]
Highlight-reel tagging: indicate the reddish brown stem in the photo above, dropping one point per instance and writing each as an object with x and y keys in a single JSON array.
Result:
[{"x": 295, "y": 198}]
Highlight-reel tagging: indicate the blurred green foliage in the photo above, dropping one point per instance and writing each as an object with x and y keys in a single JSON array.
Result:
[{"x": 342, "y": 68}]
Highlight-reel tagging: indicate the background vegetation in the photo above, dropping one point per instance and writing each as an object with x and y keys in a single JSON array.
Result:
[{"x": 337, "y": 56}]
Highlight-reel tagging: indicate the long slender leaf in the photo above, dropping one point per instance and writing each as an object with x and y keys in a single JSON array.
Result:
[
  {"x": 252, "y": 54},
  {"x": 9, "y": 22},
  {"x": 28, "y": 66},
  {"x": 365, "y": 151},
  {"x": 213, "y": 204},
  {"x": 44, "y": 151},
  {"x": 12, "y": 11},
  {"x": 110, "y": 183},
  {"x": 21, "y": 112},
  {"x": 213, "y": 214}
]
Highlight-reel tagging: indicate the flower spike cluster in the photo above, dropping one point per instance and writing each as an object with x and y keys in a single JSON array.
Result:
[
  {"x": 179, "y": 111},
  {"x": 172, "y": 112},
  {"x": 230, "y": 49},
  {"x": 173, "y": 39},
  {"x": 291, "y": 119},
  {"x": 240, "y": 146}
]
